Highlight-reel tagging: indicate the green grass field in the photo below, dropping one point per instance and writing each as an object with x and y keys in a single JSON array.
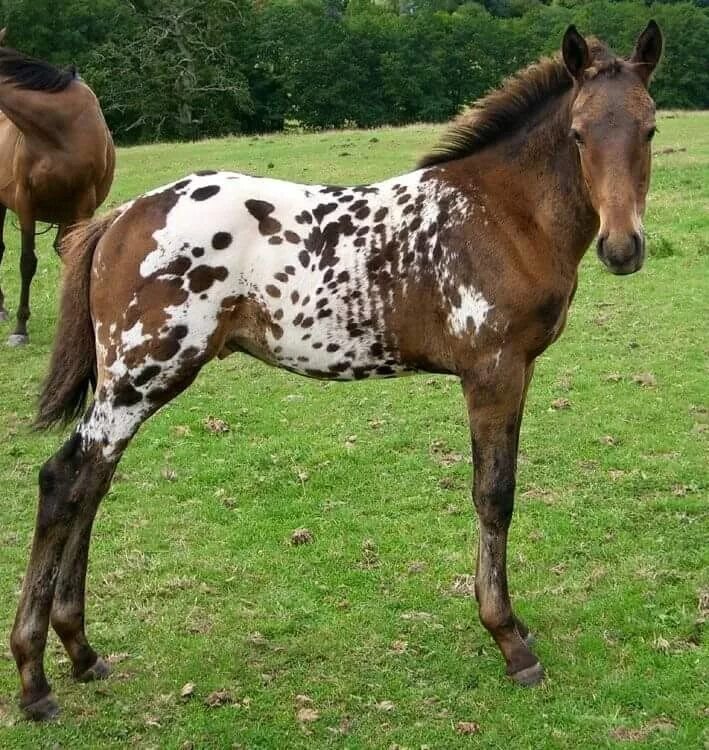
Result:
[{"x": 193, "y": 579}]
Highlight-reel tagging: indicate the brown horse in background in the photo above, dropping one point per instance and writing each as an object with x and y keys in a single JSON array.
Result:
[
  {"x": 466, "y": 265},
  {"x": 56, "y": 158}
]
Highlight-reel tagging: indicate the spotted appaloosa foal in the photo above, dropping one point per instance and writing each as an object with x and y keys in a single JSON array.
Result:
[{"x": 465, "y": 266}]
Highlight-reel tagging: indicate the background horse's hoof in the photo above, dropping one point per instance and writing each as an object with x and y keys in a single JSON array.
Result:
[
  {"x": 45, "y": 709},
  {"x": 530, "y": 676},
  {"x": 4, "y": 317},
  {"x": 18, "y": 339},
  {"x": 529, "y": 639},
  {"x": 99, "y": 671}
]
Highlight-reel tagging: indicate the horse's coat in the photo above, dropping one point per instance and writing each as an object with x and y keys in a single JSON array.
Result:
[
  {"x": 467, "y": 266},
  {"x": 323, "y": 271}
]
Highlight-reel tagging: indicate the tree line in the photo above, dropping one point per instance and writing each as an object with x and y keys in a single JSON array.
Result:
[{"x": 188, "y": 69}]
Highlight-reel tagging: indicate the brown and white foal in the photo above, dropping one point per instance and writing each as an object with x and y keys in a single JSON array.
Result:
[{"x": 466, "y": 266}]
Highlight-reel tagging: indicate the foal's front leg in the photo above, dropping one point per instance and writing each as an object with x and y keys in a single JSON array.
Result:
[{"x": 494, "y": 406}]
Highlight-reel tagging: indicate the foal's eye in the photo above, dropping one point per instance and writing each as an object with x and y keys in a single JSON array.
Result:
[
  {"x": 651, "y": 133},
  {"x": 577, "y": 136}
]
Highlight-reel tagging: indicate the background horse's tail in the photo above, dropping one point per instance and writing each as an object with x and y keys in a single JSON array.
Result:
[{"x": 72, "y": 370}]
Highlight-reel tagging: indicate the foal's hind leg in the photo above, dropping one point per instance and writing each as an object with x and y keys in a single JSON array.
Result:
[
  {"x": 111, "y": 427},
  {"x": 494, "y": 409},
  {"x": 72, "y": 484},
  {"x": 75, "y": 478}
]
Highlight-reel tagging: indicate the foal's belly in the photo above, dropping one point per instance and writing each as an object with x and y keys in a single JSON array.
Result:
[{"x": 333, "y": 328}]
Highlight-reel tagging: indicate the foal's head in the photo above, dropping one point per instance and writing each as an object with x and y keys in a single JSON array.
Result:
[{"x": 612, "y": 123}]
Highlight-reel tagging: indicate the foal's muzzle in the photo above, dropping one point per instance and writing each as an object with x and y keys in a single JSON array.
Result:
[{"x": 620, "y": 253}]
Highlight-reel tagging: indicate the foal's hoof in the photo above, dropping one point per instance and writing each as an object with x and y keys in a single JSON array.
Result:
[
  {"x": 45, "y": 709},
  {"x": 529, "y": 639},
  {"x": 529, "y": 676},
  {"x": 18, "y": 339},
  {"x": 99, "y": 671}
]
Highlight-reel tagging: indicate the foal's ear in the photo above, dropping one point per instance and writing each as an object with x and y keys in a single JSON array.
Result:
[
  {"x": 575, "y": 52},
  {"x": 647, "y": 51}
]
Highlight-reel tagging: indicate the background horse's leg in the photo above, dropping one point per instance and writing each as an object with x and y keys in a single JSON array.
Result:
[
  {"x": 28, "y": 266},
  {"x": 3, "y": 210},
  {"x": 494, "y": 409}
]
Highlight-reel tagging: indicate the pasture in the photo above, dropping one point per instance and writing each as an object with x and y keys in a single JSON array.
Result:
[{"x": 218, "y": 626}]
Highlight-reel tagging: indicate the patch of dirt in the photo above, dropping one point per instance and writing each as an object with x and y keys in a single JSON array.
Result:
[
  {"x": 645, "y": 379},
  {"x": 467, "y": 727},
  {"x": 219, "y": 698},
  {"x": 463, "y": 585},
  {"x": 628, "y": 734},
  {"x": 443, "y": 455},
  {"x": 669, "y": 150},
  {"x": 215, "y": 425},
  {"x": 301, "y": 536},
  {"x": 370, "y": 555}
]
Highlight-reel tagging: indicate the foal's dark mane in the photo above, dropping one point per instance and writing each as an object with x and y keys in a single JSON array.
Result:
[
  {"x": 505, "y": 110},
  {"x": 36, "y": 75}
]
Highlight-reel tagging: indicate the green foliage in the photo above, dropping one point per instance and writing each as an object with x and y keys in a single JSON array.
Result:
[{"x": 179, "y": 70}]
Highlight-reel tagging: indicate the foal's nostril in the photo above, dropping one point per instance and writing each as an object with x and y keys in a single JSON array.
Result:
[{"x": 600, "y": 243}]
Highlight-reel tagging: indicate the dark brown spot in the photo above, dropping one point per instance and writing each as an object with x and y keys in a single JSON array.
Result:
[
  {"x": 202, "y": 277},
  {"x": 221, "y": 240},
  {"x": 323, "y": 210},
  {"x": 333, "y": 347},
  {"x": 275, "y": 240},
  {"x": 177, "y": 267},
  {"x": 201, "y": 194},
  {"x": 274, "y": 291},
  {"x": 291, "y": 237},
  {"x": 125, "y": 394},
  {"x": 380, "y": 213},
  {"x": 198, "y": 252},
  {"x": 261, "y": 211},
  {"x": 146, "y": 374},
  {"x": 280, "y": 276}
]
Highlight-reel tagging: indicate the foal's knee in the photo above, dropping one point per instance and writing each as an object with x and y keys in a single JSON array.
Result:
[{"x": 494, "y": 501}]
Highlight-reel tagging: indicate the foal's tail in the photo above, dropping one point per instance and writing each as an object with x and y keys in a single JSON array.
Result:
[{"x": 72, "y": 370}]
